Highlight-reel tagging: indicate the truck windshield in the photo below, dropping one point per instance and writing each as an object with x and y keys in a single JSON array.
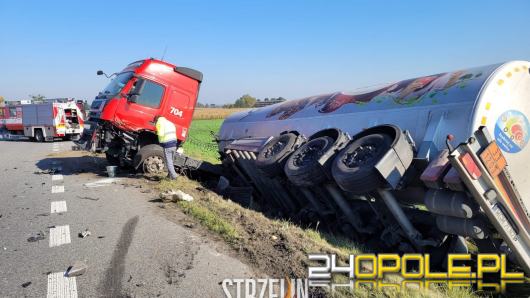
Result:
[{"x": 115, "y": 86}]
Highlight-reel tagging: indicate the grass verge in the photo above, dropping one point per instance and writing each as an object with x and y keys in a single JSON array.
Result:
[{"x": 279, "y": 248}]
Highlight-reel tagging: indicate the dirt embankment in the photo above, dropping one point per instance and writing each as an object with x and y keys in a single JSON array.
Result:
[{"x": 277, "y": 248}]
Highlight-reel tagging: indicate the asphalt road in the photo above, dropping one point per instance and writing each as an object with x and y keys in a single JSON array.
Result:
[{"x": 134, "y": 250}]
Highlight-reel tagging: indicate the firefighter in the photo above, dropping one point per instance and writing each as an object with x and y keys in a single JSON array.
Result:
[{"x": 167, "y": 137}]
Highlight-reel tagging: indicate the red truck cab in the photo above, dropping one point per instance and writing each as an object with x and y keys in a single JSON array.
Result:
[
  {"x": 121, "y": 118},
  {"x": 166, "y": 90}
]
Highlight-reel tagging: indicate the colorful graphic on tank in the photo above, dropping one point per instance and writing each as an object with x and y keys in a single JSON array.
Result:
[
  {"x": 419, "y": 91},
  {"x": 511, "y": 131}
]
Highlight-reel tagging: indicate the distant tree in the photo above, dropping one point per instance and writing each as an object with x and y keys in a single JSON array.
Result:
[
  {"x": 38, "y": 97},
  {"x": 281, "y": 99},
  {"x": 212, "y": 105},
  {"x": 245, "y": 101},
  {"x": 266, "y": 99}
]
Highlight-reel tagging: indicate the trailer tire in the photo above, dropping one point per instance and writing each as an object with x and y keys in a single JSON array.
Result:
[
  {"x": 354, "y": 167},
  {"x": 39, "y": 135},
  {"x": 152, "y": 159},
  {"x": 272, "y": 157},
  {"x": 302, "y": 167}
]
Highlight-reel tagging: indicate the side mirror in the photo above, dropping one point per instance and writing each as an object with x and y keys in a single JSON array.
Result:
[
  {"x": 136, "y": 91},
  {"x": 100, "y": 72}
]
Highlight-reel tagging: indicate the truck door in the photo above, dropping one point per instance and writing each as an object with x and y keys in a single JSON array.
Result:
[{"x": 139, "y": 114}]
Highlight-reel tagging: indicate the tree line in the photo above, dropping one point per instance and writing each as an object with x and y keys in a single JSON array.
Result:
[{"x": 245, "y": 101}]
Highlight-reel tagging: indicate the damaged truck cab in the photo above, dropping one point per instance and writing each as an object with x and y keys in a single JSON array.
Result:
[{"x": 121, "y": 121}]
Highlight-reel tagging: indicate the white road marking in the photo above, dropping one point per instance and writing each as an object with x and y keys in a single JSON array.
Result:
[
  {"x": 57, "y": 188},
  {"x": 59, "y": 235},
  {"x": 57, "y": 177},
  {"x": 58, "y": 207},
  {"x": 60, "y": 286}
]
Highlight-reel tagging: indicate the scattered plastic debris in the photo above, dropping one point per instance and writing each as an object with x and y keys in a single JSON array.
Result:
[
  {"x": 39, "y": 236},
  {"x": 26, "y": 284},
  {"x": 46, "y": 172},
  {"x": 79, "y": 268},
  {"x": 88, "y": 198},
  {"x": 174, "y": 196},
  {"x": 84, "y": 234},
  {"x": 101, "y": 182}
]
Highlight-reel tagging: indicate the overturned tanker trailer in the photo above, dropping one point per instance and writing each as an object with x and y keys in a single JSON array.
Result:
[{"x": 380, "y": 165}]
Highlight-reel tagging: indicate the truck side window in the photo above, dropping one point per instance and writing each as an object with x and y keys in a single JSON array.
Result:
[{"x": 151, "y": 95}]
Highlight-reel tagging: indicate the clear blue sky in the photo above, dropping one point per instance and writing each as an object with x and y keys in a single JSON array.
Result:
[{"x": 264, "y": 48}]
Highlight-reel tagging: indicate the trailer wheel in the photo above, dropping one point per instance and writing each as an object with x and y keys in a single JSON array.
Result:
[
  {"x": 302, "y": 167},
  {"x": 39, "y": 136},
  {"x": 354, "y": 167},
  {"x": 273, "y": 155},
  {"x": 152, "y": 159}
]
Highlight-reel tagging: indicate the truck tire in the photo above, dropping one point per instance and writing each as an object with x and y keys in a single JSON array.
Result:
[
  {"x": 302, "y": 167},
  {"x": 273, "y": 155},
  {"x": 39, "y": 135},
  {"x": 354, "y": 167},
  {"x": 152, "y": 159}
]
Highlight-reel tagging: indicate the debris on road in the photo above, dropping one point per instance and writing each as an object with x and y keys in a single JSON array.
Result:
[
  {"x": 79, "y": 268},
  {"x": 39, "y": 236},
  {"x": 88, "y": 198},
  {"x": 189, "y": 225},
  {"x": 101, "y": 237},
  {"x": 84, "y": 234},
  {"x": 101, "y": 182},
  {"x": 46, "y": 172},
  {"x": 43, "y": 214},
  {"x": 145, "y": 191},
  {"x": 26, "y": 284},
  {"x": 174, "y": 196}
]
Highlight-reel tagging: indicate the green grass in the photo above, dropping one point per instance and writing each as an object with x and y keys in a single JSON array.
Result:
[
  {"x": 210, "y": 220},
  {"x": 201, "y": 143}
]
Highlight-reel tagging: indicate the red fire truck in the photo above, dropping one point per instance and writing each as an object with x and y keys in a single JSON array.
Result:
[{"x": 44, "y": 120}]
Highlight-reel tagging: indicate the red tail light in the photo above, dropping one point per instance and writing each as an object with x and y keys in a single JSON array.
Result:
[{"x": 471, "y": 166}]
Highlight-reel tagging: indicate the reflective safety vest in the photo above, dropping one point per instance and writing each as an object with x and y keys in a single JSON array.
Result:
[{"x": 166, "y": 131}]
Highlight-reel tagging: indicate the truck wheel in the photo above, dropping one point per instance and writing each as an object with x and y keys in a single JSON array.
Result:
[
  {"x": 354, "y": 167},
  {"x": 39, "y": 136},
  {"x": 273, "y": 155},
  {"x": 152, "y": 159},
  {"x": 302, "y": 167}
]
